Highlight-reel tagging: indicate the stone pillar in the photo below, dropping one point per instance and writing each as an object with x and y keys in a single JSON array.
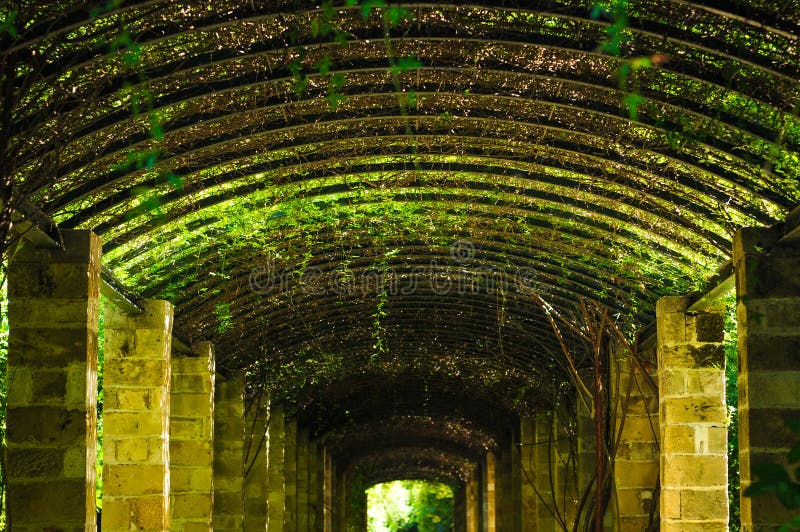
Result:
[
  {"x": 565, "y": 467},
  {"x": 136, "y": 479},
  {"x": 290, "y": 476},
  {"x": 228, "y": 453},
  {"x": 314, "y": 491},
  {"x": 547, "y": 474},
  {"x": 472, "y": 503},
  {"x": 355, "y": 503},
  {"x": 191, "y": 444},
  {"x": 275, "y": 469},
  {"x": 636, "y": 468},
  {"x": 459, "y": 508},
  {"x": 505, "y": 511},
  {"x": 691, "y": 376},
  {"x": 489, "y": 494},
  {"x": 516, "y": 479},
  {"x": 52, "y": 385},
  {"x": 768, "y": 306},
  {"x": 586, "y": 459},
  {"x": 529, "y": 504},
  {"x": 255, "y": 465},
  {"x": 327, "y": 490},
  {"x": 302, "y": 481},
  {"x": 340, "y": 499}
]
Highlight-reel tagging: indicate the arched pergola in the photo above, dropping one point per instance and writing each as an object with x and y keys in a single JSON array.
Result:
[{"x": 385, "y": 217}]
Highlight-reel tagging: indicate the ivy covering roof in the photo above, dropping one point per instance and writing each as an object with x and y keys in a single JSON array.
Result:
[{"x": 356, "y": 203}]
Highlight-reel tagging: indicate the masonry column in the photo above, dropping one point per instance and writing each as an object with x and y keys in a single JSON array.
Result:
[
  {"x": 691, "y": 376},
  {"x": 459, "y": 507},
  {"x": 768, "y": 306},
  {"x": 52, "y": 384},
  {"x": 472, "y": 503},
  {"x": 314, "y": 491},
  {"x": 228, "y": 453},
  {"x": 275, "y": 469},
  {"x": 586, "y": 432},
  {"x": 636, "y": 467},
  {"x": 327, "y": 489},
  {"x": 506, "y": 513},
  {"x": 290, "y": 476},
  {"x": 529, "y": 504},
  {"x": 302, "y": 481},
  {"x": 489, "y": 493},
  {"x": 136, "y": 414},
  {"x": 255, "y": 465},
  {"x": 191, "y": 443},
  {"x": 546, "y": 476}
]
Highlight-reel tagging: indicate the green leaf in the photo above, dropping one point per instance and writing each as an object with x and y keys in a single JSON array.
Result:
[
  {"x": 337, "y": 80},
  {"x": 334, "y": 99},
  {"x": 323, "y": 66},
  {"x": 404, "y": 64},
  {"x": 769, "y": 472},
  {"x": 398, "y": 15},
  {"x": 633, "y": 101}
]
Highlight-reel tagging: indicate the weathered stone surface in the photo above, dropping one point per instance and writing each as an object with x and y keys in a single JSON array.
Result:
[
  {"x": 228, "y": 453},
  {"x": 136, "y": 423},
  {"x": 52, "y": 384},
  {"x": 692, "y": 417},
  {"x": 768, "y": 303}
]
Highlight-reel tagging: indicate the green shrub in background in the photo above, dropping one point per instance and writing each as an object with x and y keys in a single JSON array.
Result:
[{"x": 410, "y": 505}]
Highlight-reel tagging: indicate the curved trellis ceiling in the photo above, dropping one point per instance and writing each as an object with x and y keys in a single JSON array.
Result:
[{"x": 346, "y": 217}]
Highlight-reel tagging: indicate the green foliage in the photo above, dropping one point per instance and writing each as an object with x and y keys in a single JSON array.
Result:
[
  {"x": 775, "y": 479},
  {"x": 404, "y": 504},
  {"x": 5, "y": 381},
  {"x": 732, "y": 401},
  {"x": 7, "y": 20}
]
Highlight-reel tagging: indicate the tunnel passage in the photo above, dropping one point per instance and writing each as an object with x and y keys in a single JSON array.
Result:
[{"x": 350, "y": 242}]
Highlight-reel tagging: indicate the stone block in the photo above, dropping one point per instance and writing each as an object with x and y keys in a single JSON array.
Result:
[
  {"x": 189, "y": 404},
  {"x": 188, "y": 453},
  {"x": 229, "y": 503},
  {"x": 51, "y": 503},
  {"x": 704, "y": 504},
  {"x": 147, "y": 424},
  {"x": 127, "y": 451},
  {"x": 640, "y": 428},
  {"x": 46, "y": 425},
  {"x": 708, "y": 327},
  {"x": 157, "y": 315},
  {"x": 133, "y": 480},
  {"x": 136, "y": 372},
  {"x": 30, "y": 463},
  {"x": 643, "y": 475},
  {"x": 51, "y": 386},
  {"x": 766, "y": 427},
  {"x": 132, "y": 399},
  {"x": 692, "y": 356},
  {"x": 35, "y": 349},
  {"x": 679, "y": 439},
  {"x": 191, "y": 505},
  {"x": 47, "y": 313},
  {"x": 76, "y": 464},
  {"x": 188, "y": 429},
  {"x": 695, "y": 470},
  {"x": 693, "y": 409},
  {"x": 142, "y": 513},
  {"x": 190, "y": 383},
  {"x": 773, "y": 389}
]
